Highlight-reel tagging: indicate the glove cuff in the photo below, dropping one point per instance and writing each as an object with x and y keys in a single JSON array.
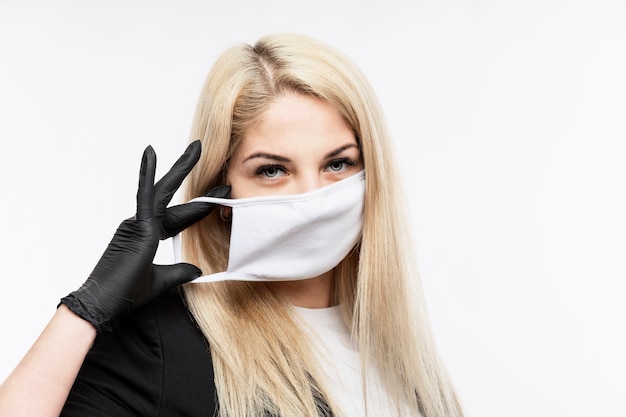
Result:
[{"x": 97, "y": 318}]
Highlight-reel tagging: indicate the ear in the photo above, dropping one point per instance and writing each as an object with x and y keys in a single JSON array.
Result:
[{"x": 226, "y": 214}]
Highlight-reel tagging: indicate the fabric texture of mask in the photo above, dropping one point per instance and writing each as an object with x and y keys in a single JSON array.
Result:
[{"x": 291, "y": 237}]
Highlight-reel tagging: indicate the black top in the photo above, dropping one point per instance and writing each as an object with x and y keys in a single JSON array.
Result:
[{"x": 154, "y": 362}]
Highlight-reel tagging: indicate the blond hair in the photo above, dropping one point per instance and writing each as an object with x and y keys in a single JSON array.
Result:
[{"x": 261, "y": 358}]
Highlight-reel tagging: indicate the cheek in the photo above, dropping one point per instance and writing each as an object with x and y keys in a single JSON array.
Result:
[{"x": 239, "y": 187}]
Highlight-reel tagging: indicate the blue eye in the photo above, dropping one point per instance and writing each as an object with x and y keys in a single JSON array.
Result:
[
  {"x": 270, "y": 171},
  {"x": 339, "y": 165}
]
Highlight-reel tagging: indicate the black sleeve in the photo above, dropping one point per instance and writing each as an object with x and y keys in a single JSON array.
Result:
[{"x": 154, "y": 362}]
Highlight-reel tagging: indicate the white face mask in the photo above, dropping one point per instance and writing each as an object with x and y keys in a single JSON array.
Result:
[{"x": 292, "y": 237}]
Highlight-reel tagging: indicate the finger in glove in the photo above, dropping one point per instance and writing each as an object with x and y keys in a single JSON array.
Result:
[{"x": 178, "y": 218}]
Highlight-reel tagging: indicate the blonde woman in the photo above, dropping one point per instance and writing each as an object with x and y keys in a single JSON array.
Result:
[{"x": 309, "y": 304}]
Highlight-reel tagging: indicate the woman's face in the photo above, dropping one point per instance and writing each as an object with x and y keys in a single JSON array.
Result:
[{"x": 301, "y": 143}]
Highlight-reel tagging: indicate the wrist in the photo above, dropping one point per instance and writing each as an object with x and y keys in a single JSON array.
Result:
[{"x": 80, "y": 326}]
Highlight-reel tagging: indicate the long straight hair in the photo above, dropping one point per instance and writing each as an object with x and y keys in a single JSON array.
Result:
[{"x": 262, "y": 360}]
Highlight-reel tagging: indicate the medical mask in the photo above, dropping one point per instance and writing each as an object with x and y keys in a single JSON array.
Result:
[{"x": 291, "y": 237}]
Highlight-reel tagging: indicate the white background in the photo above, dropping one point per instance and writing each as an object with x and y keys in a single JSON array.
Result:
[{"x": 509, "y": 120}]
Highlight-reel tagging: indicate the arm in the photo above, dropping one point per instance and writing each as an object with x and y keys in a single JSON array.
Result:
[
  {"x": 123, "y": 280},
  {"x": 41, "y": 382}
]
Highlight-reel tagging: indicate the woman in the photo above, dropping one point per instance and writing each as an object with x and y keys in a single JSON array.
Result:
[{"x": 288, "y": 117}]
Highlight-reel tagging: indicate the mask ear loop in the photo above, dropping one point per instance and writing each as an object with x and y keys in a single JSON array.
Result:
[{"x": 226, "y": 215}]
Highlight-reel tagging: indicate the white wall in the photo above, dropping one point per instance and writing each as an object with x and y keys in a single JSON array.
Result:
[{"x": 509, "y": 122}]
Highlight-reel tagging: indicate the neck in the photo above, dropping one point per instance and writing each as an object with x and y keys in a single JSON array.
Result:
[{"x": 315, "y": 292}]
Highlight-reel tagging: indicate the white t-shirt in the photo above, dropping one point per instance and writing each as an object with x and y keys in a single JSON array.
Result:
[{"x": 341, "y": 365}]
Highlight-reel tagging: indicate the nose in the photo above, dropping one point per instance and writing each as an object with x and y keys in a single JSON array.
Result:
[{"x": 308, "y": 182}]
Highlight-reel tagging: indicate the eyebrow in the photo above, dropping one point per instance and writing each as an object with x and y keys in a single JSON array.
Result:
[{"x": 283, "y": 159}]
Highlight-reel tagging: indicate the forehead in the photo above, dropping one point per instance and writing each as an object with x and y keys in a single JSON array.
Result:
[{"x": 297, "y": 122}]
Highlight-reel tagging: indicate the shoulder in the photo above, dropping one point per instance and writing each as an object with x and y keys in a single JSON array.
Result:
[{"x": 154, "y": 361}]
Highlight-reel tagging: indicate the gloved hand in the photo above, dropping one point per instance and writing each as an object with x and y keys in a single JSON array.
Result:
[{"x": 125, "y": 277}]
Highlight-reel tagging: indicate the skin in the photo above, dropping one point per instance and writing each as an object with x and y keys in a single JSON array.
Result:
[
  {"x": 40, "y": 383},
  {"x": 300, "y": 144}
]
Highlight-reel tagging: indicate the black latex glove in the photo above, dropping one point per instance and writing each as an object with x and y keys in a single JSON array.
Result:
[{"x": 125, "y": 277}]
